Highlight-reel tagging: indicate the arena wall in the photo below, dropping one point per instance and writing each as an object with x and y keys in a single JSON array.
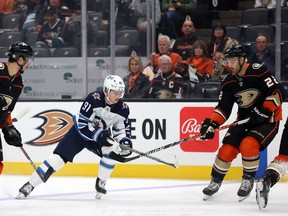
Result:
[{"x": 153, "y": 124}]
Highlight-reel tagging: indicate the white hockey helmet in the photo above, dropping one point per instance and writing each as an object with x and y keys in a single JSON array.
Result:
[{"x": 113, "y": 82}]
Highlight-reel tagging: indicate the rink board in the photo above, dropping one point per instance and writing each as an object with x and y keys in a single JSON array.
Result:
[{"x": 153, "y": 124}]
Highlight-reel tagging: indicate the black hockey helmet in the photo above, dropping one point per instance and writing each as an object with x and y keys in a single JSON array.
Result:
[
  {"x": 18, "y": 49},
  {"x": 235, "y": 51}
]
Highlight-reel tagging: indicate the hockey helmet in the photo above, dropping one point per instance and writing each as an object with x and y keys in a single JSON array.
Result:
[
  {"x": 18, "y": 49},
  {"x": 113, "y": 82},
  {"x": 235, "y": 51}
]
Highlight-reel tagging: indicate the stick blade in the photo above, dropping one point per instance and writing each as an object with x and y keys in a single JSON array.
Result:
[
  {"x": 176, "y": 162},
  {"x": 21, "y": 114}
]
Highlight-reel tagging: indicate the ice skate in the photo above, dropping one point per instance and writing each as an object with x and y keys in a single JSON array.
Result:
[
  {"x": 100, "y": 188},
  {"x": 262, "y": 192},
  {"x": 24, "y": 191},
  {"x": 212, "y": 188},
  {"x": 245, "y": 187}
]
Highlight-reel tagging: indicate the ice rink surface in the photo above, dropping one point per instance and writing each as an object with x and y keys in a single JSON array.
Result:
[{"x": 74, "y": 196}]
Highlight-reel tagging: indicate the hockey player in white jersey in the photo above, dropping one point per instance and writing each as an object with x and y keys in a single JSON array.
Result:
[{"x": 102, "y": 120}]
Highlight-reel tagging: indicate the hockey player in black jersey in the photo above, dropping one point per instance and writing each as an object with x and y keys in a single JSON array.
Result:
[
  {"x": 19, "y": 56},
  {"x": 276, "y": 169},
  {"x": 102, "y": 120},
  {"x": 259, "y": 97}
]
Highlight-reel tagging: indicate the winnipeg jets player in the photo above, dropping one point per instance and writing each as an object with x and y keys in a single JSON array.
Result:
[{"x": 103, "y": 118}]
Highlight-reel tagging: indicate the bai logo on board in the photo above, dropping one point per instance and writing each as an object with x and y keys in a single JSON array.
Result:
[{"x": 190, "y": 123}]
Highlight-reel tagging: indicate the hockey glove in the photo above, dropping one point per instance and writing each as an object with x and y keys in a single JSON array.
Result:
[
  {"x": 12, "y": 136},
  {"x": 208, "y": 129},
  {"x": 259, "y": 115},
  {"x": 3, "y": 110},
  {"x": 103, "y": 138},
  {"x": 125, "y": 142}
]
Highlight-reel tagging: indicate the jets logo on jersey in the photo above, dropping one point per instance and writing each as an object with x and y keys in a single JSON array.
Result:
[
  {"x": 96, "y": 96},
  {"x": 247, "y": 97},
  {"x": 124, "y": 106},
  {"x": 56, "y": 124}
]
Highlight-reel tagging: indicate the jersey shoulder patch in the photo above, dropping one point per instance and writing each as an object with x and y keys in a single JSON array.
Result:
[
  {"x": 2, "y": 66},
  {"x": 256, "y": 66},
  {"x": 258, "y": 69}
]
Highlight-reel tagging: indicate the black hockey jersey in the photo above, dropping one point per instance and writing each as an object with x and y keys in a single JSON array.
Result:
[
  {"x": 163, "y": 88},
  {"x": 256, "y": 88},
  {"x": 10, "y": 86}
]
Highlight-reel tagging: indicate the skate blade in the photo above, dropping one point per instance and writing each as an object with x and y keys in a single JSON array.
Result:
[
  {"x": 98, "y": 195},
  {"x": 241, "y": 199},
  {"x": 20, "y": 196},
  {"x": 206, "y": 197},
  {"x": 260, "y": 201}
]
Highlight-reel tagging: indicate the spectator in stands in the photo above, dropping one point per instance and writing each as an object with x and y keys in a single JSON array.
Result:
[
  {"x": 167, "y": 84},
  {"x": 176, "y": 11},
  {"x": 72, "y": 34},
  {"x": 136, "y": 81},
  {"x": 218, "y": 39},
  {"x": 200, "y": 61},
  {"x": 140, "y": 12},
  {"x": 50, "y": 35},
  {"x": 183, "y": 45},
  {"x": 230, "y": 42},
  {"x": 35, "y": 17},
  {"x": 11, "y": 7},
  {"x": 220, "y": 70},
  {"x": 164, "y": 49},
  {"x": 124, "y": 14},
  {"x": 263, "y": 54},
  {"x": 63, "y": 11}
]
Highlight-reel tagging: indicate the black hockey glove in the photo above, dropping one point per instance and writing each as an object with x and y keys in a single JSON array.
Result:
[
  {"x": 125, "y": 142},
  {"x": 12, "y": 136},
  {"x": 259, "y": 115},
  {"x": 3, "y": 110},
  {"x": 103, "y": 138},
  {"x": 207, "y": 129}
]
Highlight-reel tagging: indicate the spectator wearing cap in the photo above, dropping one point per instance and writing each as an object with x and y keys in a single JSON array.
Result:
[
  {"x": 183, "y": 45},
  {"x": 218, "y": 39},
  {"x": 71, "y": 32},
  {"x": 49, "y": 35}
]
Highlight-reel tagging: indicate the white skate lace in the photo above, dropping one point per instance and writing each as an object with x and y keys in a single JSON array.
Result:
[
  {"x": 213, "y": 185},
  {"x": 246, "y": 185}
]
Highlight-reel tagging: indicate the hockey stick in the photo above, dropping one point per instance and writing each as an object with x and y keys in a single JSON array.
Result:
[
  {"x": 193, "y": 137},
  {"x": 32, "y": 163},
  {"x": 27, "y": 156},
  {"x": 118, "y": 158},
  {"x": 21, "y": 114},
  {"x": 124, "y": 147}
]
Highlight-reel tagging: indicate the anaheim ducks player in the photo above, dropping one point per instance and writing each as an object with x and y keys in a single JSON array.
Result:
[
  {"x": 19, "y": 56},
  {"x": 99, "y": 112},
  {"x": 259, "y": 96}
]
